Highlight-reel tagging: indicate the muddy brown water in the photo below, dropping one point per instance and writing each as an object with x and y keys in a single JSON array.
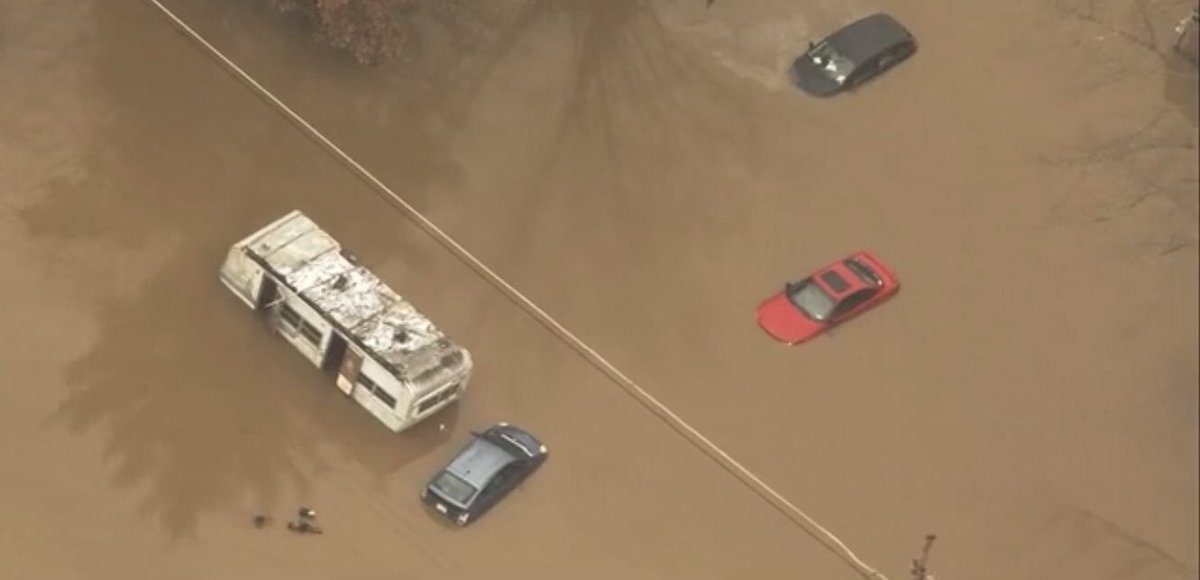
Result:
[{"x": 641, "y": 170}]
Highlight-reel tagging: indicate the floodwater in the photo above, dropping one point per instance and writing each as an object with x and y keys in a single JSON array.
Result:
[{"x": 642, "y": 171}]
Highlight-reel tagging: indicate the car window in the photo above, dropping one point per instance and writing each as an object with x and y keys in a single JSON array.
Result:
[
  {"x": 515, "y": 443},
  {"x": 852, "y": 301},
  {"x": 499, "y": 481},
  {"x": 864, "y": 273},
  {"x": 454, "y": 488},
  {"x": 835, "y": 282},
  {"x": 810, "y": 299},
  {"x": 514, "y": 469}
]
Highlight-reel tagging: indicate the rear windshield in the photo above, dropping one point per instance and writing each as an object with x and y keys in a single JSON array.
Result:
[
  {"x": 453, "y": 488},
  {"x": 864, "y": 273}
]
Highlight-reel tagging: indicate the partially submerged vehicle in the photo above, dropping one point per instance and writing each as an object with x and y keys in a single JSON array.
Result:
[
  {"x": 852, "y": 55},
  {"x": 387, "y": 356},
  {"x": 491, "y": 465}
]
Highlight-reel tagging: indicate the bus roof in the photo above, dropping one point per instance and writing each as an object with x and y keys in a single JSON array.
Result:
[{"x": 311, "y": 263}]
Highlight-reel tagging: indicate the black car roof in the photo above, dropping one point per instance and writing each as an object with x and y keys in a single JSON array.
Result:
[
  {"x": 867, "y": 37},
  {"x": 479, "y": 461}
]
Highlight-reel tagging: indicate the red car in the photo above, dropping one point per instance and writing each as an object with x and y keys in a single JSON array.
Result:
[{"x": 834, "y": 294}]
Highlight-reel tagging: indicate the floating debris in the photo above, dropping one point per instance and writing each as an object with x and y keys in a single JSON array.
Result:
[
  {"x": 304, "y": 527},
  {"x": 920, "y": 570}
]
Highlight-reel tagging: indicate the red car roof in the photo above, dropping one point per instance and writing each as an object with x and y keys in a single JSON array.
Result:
[{"x": 838, "y": 280}]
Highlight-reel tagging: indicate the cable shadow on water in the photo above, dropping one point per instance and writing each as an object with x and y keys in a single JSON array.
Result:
[
  {"x": 634, "y": 96},
  {"x": 199, "y": 409}
]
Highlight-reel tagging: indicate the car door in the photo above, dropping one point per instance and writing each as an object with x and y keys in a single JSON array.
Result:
[
  {"x": 853, "y": 303},
  {"x": 879, "y": 63},
  {"x": 864, "y": 71},
  {"x": 498, "y": 487},
  {"x": 514, "y": 474}
]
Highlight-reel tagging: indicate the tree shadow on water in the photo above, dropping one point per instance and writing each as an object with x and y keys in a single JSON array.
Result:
[
  {"x": 199, "y": 403},
  {"x": 198, "y": 407},
  {"x": 639, "y": 109},
  {"x": 1182, "y": 86}
]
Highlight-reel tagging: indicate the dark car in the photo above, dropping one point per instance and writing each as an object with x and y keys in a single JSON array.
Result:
[
  {"x": 489, "y": 467},
  {"x": 850, "y": 56}
]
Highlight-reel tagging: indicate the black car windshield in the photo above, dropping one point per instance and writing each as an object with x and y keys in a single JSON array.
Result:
[
  {"x": 454, "y": 488},
  {"x": 830, "y": 62},
  {"x": 810, "y": 299},
  {"x": 515, "y": 443}
]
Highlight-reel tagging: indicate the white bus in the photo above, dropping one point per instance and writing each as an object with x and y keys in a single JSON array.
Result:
[{"x": 387, "y": 356}]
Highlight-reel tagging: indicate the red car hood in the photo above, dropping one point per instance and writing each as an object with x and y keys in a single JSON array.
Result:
[{"x": 784, "y": 322}]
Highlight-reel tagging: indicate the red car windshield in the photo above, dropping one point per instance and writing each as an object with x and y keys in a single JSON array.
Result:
[
  {"x": 813, "y": 301},
  {"x": 863, "y": 272}
]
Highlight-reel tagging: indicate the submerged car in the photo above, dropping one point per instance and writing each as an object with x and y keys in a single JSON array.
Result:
[
  {"x": 487, "y": 468},
  {"x": 862, "y": 49},
  {"x": 834, "y": 294}
]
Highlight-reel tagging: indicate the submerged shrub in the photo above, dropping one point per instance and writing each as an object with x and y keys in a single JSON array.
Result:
[{"x": 367, "y": 29}]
